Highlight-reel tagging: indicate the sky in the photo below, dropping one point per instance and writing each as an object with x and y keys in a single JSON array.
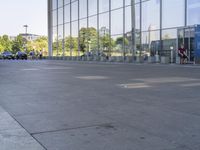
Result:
[{"x": 14, "y": 14}]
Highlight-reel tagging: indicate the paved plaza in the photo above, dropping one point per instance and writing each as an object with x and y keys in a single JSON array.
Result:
[{"x": 60, "y": 105}]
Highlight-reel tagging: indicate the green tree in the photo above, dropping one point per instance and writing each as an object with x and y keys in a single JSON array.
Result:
[
  {"x": 71, "y": 43},
  {"x": 5, "y": 43},
  {"x": 106, "y": 43},
  {"x": 38, "y": 44},
  {"x": 18, "y": 44},
  {"x": 88, "y": 39},
  {"x": 120, "y": 40}
]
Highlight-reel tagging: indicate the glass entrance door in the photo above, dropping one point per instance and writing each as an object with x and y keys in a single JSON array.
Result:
[{"x": 185, "y": 36}]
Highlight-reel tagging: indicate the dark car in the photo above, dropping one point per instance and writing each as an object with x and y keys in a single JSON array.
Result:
[
  {"x": 7, "y": 55},
  {"x": 21, "y": 55}
]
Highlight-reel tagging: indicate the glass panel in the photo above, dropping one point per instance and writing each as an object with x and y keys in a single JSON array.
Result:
[
  {"x": 54, "y": 46},
  {"x": 60, "y": 40},
  {"x": 173, "y": 13},
  {"x": 54, "y": 18},
  {"x": 60, "y": 3},
  {"x": 93, "y": 46},
  {"x": 92, "y": 4},
  {"x": 104, "y": 37},
  {"x": 103, "y": 6},
  {"x": 128, "y": 2},
  {"x": 83, "y": 8},
  {"x": 54, "y": 3},
  {"x": 74, "y": 11},
  {"x": 169, "y": 41},
  {"x": 74, "y": 39},
  {"x": 66, "y": 1},
  {"x": 67, "y": 13},
  {"x": 67, "y": 39},
  {"x": 60, "y": 16},
  {"x": 150, "y": 43},
  {"x": 193, "y": 12},
  {"x": 128, "y": 43},
  {"x": 117, "y": 45},
  {"x": 83, "y": 36},
  {"x": 116, "y": 4},
  {"x": 117, "y": 22},
  {"x": 128, "y": 27},
  {"x": 150, "y": 15},
  {"x": 128, "y": 24}
]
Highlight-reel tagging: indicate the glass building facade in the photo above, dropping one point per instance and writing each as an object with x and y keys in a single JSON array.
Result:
[{"x": 123, "y": 28}]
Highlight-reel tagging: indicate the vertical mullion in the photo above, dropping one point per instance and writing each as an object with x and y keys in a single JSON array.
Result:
[
  {"x": 133, "y": 25},
  {"x": 185, "y": 23},
  {"x": 57, "y": 28},
  {"x": 98, "y": 28},
  {"x": 70, "y": 28},
  {"x": 140, "y": 27},
  {"x": 63, "y": 41},
  {"x": 109, "y": 52},
  {"x": 78, "y": 27},
  {"x": 123, "y": 46},
  {"x": 161, "y": 10},
  {"x": 87, "y": 27}
]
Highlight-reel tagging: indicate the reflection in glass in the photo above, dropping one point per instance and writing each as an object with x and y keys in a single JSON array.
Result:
[
  {"x": 150, "y": 43},
  {"x": 74, "y": 39},
  {"x": 83, "y": 8},
  {"x": 103, "y": 6},
  {"x": 67, "y": 39},
  {"x": 54, "y": 4},
  {"x": 117, "y": 45},
  {"x": 151, "y": 15},
  {"x": 60, "y": 16},
  {"x": 168, "y": 41},
  {"x": 74, "y": 7},
  {"x": 54, "y": 18},
  {"x": 54, "y": 44},
  {"x": 83, "y": 36},
  {"x": 173, "y": 13},
  {"x": 117, "y": 21},
  {"x": 116, "y": 4},
  {"x": 66, "y": 2},
  {"x": 104, "y": 34},
  {"x": 92, "y": 4},
  {"x": 60, "y": 41},
  {"x": 193, "y": 12},
  {"x": 60, "y": 3},
  {"x": 128, "y": 2},
  {"x": 93, "y": 46},
  {"x": 67, "y": 13}
]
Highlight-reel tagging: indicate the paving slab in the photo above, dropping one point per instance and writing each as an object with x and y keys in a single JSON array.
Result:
[
  {"x": 104, "y": 137},
  {"x": 13, "y": 136}
]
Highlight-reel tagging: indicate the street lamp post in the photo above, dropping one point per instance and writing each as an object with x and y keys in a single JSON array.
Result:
[{"x": 26, "y": 29}]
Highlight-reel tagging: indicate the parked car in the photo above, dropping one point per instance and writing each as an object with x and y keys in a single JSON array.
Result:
[
  {"x": 21, "y": 55},
  {"x": 7, "y": 55}
]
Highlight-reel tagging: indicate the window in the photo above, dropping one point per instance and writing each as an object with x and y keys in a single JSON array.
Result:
[
  {"x": 173, "y": 13},
  {"x": 83, "y": 8},
  {"x": 193, "y": 12},
  {"x": 117, "y": 22},
  {"x": 103, "y": 6},
  {"x": 150, "y": 15},
  {"x": 92, "y": 4}
]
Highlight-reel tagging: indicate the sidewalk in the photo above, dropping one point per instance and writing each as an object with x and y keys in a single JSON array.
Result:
[{"x": 13, "y": 136}]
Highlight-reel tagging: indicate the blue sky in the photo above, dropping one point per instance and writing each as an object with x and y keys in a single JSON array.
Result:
[{"x": 16, "y": 13}]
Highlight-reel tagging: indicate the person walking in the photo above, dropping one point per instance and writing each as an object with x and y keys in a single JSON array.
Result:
[
  {"x": 40, "y": 54},
  {"x": 182, "y": 54}
]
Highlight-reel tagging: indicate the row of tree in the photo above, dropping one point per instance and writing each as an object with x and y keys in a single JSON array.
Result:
[
  {"x": 21, "y": 44},
  {"x": 88, "y": 42}
]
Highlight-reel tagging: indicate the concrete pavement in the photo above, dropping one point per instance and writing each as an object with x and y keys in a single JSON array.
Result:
[{"x": 59, "y": 105}]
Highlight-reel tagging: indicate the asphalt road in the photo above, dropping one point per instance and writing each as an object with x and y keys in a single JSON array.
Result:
[{"x": 101, "y": 106}]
